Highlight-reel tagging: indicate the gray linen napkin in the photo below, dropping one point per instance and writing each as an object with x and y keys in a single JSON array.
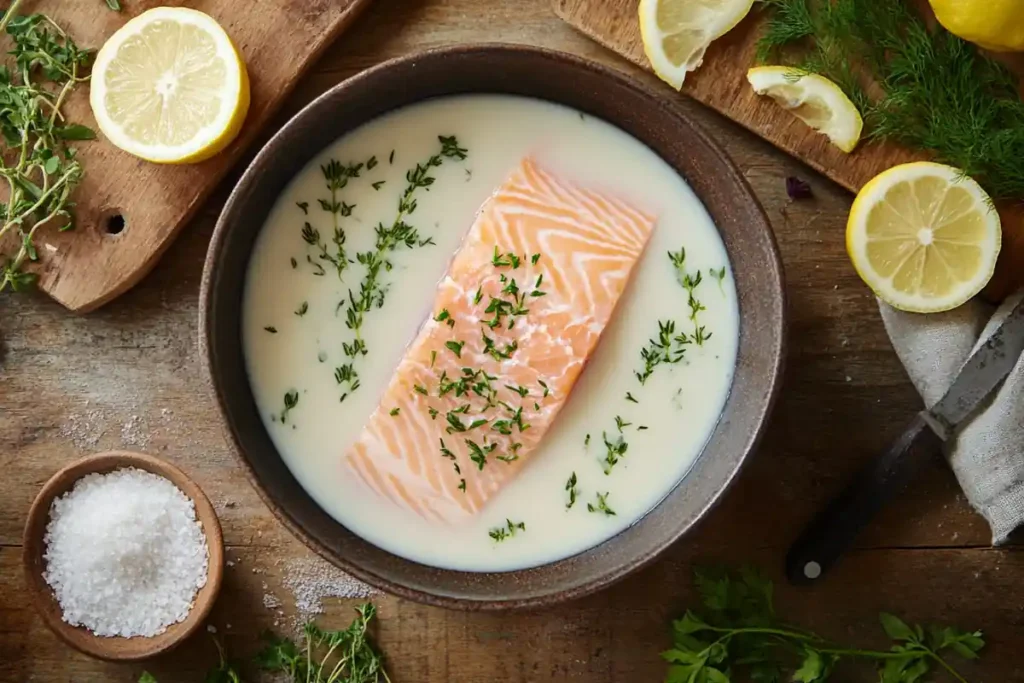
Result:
[{"x": 987, "y": 454}]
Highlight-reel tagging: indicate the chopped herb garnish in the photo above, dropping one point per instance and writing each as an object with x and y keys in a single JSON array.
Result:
[
  {"x": 534, "y": 259},
  {"x": 291, "y": 399},
  {"x": 720, "y": 276},
  {"x": 454, "y": 423},
  {"x": 302, "y": 309},
  {"x": 377, "y": 185},
  {"x": 455, "y": 347},
  {"x": 271, "y": 329},
  {"x": 295, "y": 264},
  {"x": 522, "y": 391},
  {"x": 462, "y": 485},
  {"x": 570, "y": 486},
  {"x": 433, "y": 357},
  {"x": 641, "y": 428},
  {"x": 371, "y": 162},
  {"x": 586, "y": 441},
  {"x": 391, "y": 158},
  {"x": 544, "y": 386},
  {"x": 669, "y": 347},
  {"x": 620, "y": 423},
  {"x": 304, "y": 206},
  {"x": 346, "y": 374},
  {"x": 602, "y": 505},
  {"x": 614, "y": 451},
  {"x": 420, "y": 389},
  {"x": 478, "y": 296},
  {"x": 629, "y": 397},
  {"x": 478, "y": 454},
  {"x": 433, "y": 413},
  {"x": 508, "y": 531},
  {"x": 477, "y": 423},
  {"x": 394, "y": 412}
]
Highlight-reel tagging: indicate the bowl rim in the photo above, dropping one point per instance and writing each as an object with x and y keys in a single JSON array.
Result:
[
  {"x": 113, "y": 648},
  {"x": 666, "y": 107}
]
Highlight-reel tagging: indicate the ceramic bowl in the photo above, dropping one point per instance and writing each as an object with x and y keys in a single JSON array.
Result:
[
  {"x": 654, "y": 119},
  {"x": 117, "y": 648}
]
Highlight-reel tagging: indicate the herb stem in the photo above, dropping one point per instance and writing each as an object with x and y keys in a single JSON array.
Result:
[{"x": 11, "y": 12}]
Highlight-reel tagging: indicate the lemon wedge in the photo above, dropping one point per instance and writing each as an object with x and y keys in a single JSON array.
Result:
[
  {"x": 169, "y": 86},
  {"x": 924, "y": 237},
  {"x": 676, "y": 33},
  {"x": 813, "y": 99}
]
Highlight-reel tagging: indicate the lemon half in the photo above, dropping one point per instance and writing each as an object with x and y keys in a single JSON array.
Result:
[
  {"x": 169, "y": 86},
  {"x": 813, "y": 99},
  {"x": 676, "y": 33},
  {"x": 924, "y": 237}
]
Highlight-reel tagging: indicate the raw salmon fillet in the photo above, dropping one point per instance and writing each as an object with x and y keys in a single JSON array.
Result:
[{"x": 526, "y": 297}]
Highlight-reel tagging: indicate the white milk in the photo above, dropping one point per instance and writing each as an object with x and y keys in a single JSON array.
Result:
[{"x": 679, "y": 404}]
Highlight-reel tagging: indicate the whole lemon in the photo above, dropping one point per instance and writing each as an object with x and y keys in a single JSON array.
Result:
[{"x": 993, "y": 24}]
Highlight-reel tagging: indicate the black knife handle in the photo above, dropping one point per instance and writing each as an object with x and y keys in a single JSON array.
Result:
[{"x": 834, "y": 529}]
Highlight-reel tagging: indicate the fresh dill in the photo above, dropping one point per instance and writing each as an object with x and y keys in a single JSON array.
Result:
[
  {"x": 42, "y": 170},
  {"x": 570, "y": 486},
  {"x": 508, "y": 531},
  {"x": 939, "y": 93},
  {"x": 602, "y": 505}
]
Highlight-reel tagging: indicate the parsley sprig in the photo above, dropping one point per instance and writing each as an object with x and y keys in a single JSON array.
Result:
[
  {"x": 738, "y": 635},
  {"x": 40, "y": 168}
]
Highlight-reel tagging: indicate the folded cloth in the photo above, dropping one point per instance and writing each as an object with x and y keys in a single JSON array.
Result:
[{"x": 987, "y": 453}]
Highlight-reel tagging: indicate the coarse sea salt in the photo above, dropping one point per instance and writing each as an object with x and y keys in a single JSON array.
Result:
[{"x": 125, "y": 555}]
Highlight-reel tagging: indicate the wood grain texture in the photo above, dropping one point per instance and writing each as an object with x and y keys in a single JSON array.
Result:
[
  {"x": 129, "y": 377},
  {"x": 88, "y": 267},
  {"x": 721, "y": 84}
]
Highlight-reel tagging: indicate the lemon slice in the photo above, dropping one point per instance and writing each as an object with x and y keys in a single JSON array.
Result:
[
  {"x": 169, "y": 86},
  {"x": 924, "y": 237},
  {"x": 676, "y": 33},
  {"x": 813, "y": 99}
]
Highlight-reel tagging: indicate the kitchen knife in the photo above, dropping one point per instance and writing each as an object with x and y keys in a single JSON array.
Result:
[{"x": 837, "y": 525}]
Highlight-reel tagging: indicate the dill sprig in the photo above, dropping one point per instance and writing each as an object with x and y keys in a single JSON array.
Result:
[
  {"x": 40, "y": 168},
  {"x": 940, "y": 94}
]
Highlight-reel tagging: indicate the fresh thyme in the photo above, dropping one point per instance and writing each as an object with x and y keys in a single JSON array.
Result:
[
  {"x": 395, "y": 412},
  {"x": 739, "y": 637},
  {"x": 614, "y": 450},
  {"x": 40, "y": 168},
  {"x": 570, "y": 486},
  {"x": 302, "y": 309},
  {"x": 690, "y": 282},
  {"x": 372, "y": 292},
  {"x": 719, "y": 275},
  {"x": 631, "y": 398},
  {"x": 508, "y": 531},
  {"x": 602, "y": 505},
  {"x": 291, "y": 399},
  {"x": 271, "y": 329},
  {"x": 939, "y": 93}
]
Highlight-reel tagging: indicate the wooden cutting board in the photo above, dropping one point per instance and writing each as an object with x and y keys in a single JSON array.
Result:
[
  {"x": 721, "y": 84},
  {"x": 89, "y": 266}
]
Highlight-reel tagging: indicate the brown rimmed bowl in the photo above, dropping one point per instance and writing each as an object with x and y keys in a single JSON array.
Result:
[
  {"x": 650, "y": 117},
  {"x": 117, "y": 649}
]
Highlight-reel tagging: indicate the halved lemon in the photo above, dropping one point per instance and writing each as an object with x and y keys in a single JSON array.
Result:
[
  {"x": 676, "y": 33},
  {"x": 924, "y": 237},
  {"x": 813, "y": 99},
  {"x": 169, "y": 86}
]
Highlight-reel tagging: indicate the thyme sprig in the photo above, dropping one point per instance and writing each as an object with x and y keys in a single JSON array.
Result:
[
  {"x": 510, "y": 529},
  {"x": 40, "y": 168},
  {"x": 372, "y": 291}
]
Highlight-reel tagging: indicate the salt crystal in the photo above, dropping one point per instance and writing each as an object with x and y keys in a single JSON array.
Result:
[
  {"x": 312, "y": 580},
  {"x": 125, "y": 555}
]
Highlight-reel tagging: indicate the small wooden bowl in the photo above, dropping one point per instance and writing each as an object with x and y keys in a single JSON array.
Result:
[{"x": 117, "y": 648}]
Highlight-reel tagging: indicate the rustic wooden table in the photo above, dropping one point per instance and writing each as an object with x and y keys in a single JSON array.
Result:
[{"x": 129, "y": 377}]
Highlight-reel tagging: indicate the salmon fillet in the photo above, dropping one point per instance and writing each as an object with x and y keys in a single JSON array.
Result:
[{"x": 523, "y": 304}]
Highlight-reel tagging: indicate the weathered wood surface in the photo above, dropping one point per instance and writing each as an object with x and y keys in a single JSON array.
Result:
[
  {"x": 128, "y": 376},
  {"x": 279, "y": 40}
]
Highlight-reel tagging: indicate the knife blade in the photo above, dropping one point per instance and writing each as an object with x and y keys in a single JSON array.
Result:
[{"x": 835, "y": 528}]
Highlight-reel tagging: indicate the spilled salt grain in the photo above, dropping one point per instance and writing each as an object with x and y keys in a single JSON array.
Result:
[
  {"x": 312, "y": 580},
  {"x": 125, "y": 555}
]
